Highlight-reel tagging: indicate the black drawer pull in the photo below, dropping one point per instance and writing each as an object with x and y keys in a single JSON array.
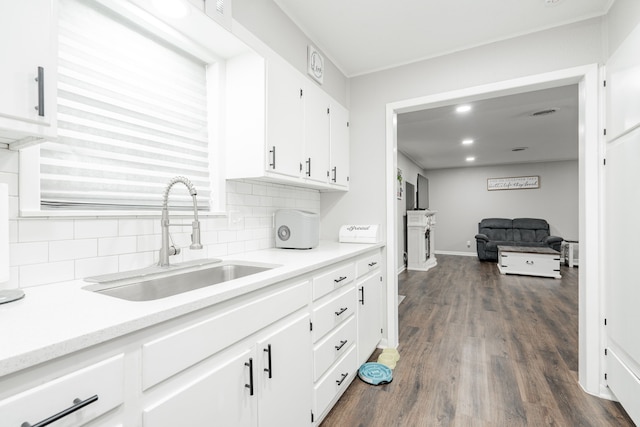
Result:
[
  {"x": 371, "y": 264},
  {"x": 361, "y": 301},
  {"x": 268, "y": 351},
  {"x": 343, "y": 377},
  {"x": 40, "y": 80},
  {"x": 342, "y": 310},
  {"x": 342, "y": 343},
  {"x": 272, "y": 164},
  {"x": 340, "y": 279},
  {"x": 250, "y": 385},
  {"x": 77, "y": 405}
]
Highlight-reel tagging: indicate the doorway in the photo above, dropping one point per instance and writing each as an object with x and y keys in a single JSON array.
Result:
[{"x": 590, "y": 160}]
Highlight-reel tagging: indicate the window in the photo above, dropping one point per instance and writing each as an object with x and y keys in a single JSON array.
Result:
[{"x": 132, "y": 113}]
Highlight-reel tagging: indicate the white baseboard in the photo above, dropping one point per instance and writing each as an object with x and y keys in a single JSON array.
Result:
[
  {"x": 402, "y": 268},
  {"x": 456, "y": 253}
]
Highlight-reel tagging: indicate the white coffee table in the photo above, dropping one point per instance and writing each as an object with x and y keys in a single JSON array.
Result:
[{"x": 543, "y": 262}]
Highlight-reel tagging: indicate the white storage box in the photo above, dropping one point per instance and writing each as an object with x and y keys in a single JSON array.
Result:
[{"x": 359, "y": 234}]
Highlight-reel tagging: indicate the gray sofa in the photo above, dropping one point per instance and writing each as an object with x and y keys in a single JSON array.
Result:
[{"x": 494, "y": 232}]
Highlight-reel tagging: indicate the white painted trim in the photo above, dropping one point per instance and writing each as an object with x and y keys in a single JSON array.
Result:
[
  {"x": 392, "y": 339},
  {"x": 470, "y": 254},
  {"x": 590, "y": 328}
]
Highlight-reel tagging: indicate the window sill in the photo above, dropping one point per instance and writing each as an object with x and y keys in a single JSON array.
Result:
[{"x": 25, "y": 214}]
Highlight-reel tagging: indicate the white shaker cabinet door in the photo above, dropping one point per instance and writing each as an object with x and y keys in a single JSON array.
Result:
[
  {"x": 220, "y": 397},
  {"x": 285, "y": 375},
  {"x": 339, "y": 173},
  {"x": 28, "y": 43},
  {"x": 285, "y": 119},
  {"x": 316, "y": 142}
]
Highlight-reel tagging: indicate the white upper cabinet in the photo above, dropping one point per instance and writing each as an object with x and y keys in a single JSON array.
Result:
[
  {"x": 28, "y": 73},
  {"x": 339, "y": 145},
  {"x": 285, "y": 119},
  {"x": 278, "y": 126},
  {"x": 316, "y": 142}
]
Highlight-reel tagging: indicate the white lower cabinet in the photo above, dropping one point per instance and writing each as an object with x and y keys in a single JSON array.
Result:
[
  {"x": 259, "y": 385},
  {"x": 74, "y": 399},
  {"x": 369, "y": 315}
]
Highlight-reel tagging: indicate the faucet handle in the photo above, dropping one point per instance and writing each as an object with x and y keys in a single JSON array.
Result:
[{"x": 195, "y": 235}]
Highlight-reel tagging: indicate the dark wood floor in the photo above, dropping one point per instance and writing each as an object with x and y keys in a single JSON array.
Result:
[{"x": 478, "y": 348}]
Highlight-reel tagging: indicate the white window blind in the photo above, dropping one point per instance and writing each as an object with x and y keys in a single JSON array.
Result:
[{"x": 131, "y": 115}]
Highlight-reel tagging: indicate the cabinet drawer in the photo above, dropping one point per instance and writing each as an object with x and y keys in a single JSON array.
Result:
[
  {"x": 172, "y": 353},
  {"x": 335, "y": 382},
  {"x": 104, "y": 380},
  {"x": 333, "y": 312},
  {"x": 327, "y": 282},
  {"x": 334, "y": 345},
  {"x": 368, "y": 263}
]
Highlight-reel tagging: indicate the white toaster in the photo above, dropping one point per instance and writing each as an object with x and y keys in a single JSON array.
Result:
[{"x": 297, "y": 229}]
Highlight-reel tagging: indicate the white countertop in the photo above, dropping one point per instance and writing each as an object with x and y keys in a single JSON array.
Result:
[{"x": 58, "y": 319}]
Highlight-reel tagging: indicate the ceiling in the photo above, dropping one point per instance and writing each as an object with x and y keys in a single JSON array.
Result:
[
  {"x": 433, "y": 138},
  {"x": 361, "y": 36}
]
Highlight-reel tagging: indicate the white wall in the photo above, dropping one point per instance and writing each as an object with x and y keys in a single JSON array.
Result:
[
  {"x": 461, "y": 198},
  {"x": 50, "y": 250},
  {"x": 270, "y": 24},
  {"x": 555, "y": 49},
  {"x": 410, "y": 173}
]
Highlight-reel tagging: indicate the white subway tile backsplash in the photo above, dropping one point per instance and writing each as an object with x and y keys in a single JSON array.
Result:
[
  {"x": 42, "y": 230},
  {"x": 137, "y": 260},
  {"x": 136, "y": 227},
  {"x": 96, "y": 266},
  {"x": 41, "y": 274},
  {"x": 28, "y": 253},
  {"x": 72, "y": 249},
  {"x": 53, "y": 250},
  {"x": 117, "y": 245},
  {"x": 89, "y": 228}
]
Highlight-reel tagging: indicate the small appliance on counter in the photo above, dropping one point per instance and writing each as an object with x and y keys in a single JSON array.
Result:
[
  {"x": 359, "y": 234},
  {"x": 297, "y": 229}
]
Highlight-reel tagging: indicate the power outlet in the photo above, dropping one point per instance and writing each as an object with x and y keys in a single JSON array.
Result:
[{"x": 468, "y": 243}]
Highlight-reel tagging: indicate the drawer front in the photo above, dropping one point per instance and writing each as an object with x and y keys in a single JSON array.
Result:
[
  {"x": 368, "y": 263},
  {"x": 104, "y": 380},
  {"x": 334, "y": 279},
  {"x": 333, "y": 312},
  {"x": 335, "y": 382},
  {"x": 334, "y": 345},
  {"x": 172, "y": 353},
  {"x": 535, "y": 264}
]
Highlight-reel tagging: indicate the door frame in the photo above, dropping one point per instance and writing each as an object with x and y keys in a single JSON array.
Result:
[{"x": 590, "y": 187}]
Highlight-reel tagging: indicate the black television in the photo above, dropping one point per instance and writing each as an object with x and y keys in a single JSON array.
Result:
[
  {"x": 410, "y": 196},
  {"x": 422, "y": 201}
]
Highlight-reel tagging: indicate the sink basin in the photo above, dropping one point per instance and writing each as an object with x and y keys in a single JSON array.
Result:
[{"x": 162, "y": 286}]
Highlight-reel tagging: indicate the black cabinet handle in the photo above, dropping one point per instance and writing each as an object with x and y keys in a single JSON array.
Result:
[
  {"x": 268, "y": 351},
  {"x": 342, "y": 343},
  {"x": 371, "y": 264},
  {"x": 340, "y": 279},
  {"x": 77, "y": 405},
  {"x": 334, "y": 173},
  {"x": 343, "y": 377},
  {"x": 308, "y": 162},
  {"x": 250, "y": 385},
  {"x": 342, "y": 310},
  {"x": 40, "y": 80},
  {"x": 362, "y": 295},
  {"x": 272, "y": 165}
]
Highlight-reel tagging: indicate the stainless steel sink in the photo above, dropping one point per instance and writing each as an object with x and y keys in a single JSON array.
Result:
[{"x": 162, "y": 286}]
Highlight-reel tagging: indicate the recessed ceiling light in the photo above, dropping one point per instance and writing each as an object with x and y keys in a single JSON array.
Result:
[
  {"x": 467, "y": 141},
  {"x": 463, "y": 108},
  {"x": 470, "y": 159}
]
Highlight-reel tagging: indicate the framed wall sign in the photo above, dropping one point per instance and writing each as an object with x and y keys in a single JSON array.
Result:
[
  {"x": 315, "y": 64},
  {"x": 513, "y": 183}
]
